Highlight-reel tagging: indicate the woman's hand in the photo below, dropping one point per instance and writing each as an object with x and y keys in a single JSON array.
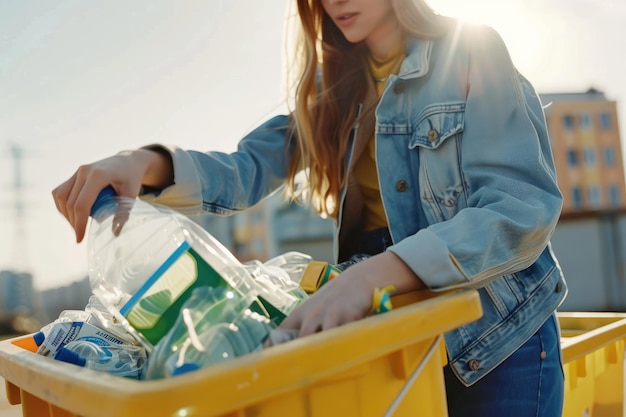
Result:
[
  {"x": 349, "y": 296},
  {"x": 126, "y": 172}
]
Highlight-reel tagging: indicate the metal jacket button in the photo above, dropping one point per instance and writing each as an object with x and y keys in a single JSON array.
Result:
[
  {"x": 402, "y": 185},
  {"x": 559, "y": 287},
  {"x": 399, "y": 87},
  {"x": 473, "y": 365},
  {"x": 433, "y": 135}
]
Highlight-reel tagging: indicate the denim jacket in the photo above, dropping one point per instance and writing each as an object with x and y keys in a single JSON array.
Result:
[{"x": 467, "y": 182}]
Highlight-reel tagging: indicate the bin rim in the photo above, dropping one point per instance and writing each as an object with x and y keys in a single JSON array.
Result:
[
  {"x": 612, "y": 329},
  {"x": 244, "y": 380}
]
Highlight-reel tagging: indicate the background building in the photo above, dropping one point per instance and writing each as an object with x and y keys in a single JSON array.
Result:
[
  {"x": 271, "y": 228},
  {"x": 589, "y": 239},
  {"x": 586, "y": 145},
  {"x": 73, "y": 296},
  {"x": 591, "y": 248},
  {"x": 17, "y": 307}
]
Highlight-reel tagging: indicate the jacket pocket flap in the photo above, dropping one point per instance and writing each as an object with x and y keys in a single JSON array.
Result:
[{"x": 437, "y": 123}]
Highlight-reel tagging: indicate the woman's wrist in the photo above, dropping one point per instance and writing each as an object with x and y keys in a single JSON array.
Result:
[
  {"x": 388, "y": 269},
  {"x": 158, "y": 168}
]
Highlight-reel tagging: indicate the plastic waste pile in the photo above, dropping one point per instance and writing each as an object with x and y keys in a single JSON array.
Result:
[
  {"x": 170, "y": 299},
  {"x": 93, "y": 339}
]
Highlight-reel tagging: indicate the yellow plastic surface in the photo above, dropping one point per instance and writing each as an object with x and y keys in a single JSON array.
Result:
[
  {"x": 359, "y": 369},
  {"x": 593, "y": 359},
  {"x": 312, "y": 276}
]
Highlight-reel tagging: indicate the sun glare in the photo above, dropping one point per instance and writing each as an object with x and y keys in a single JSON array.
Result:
[{"x": 520, "y": 28}]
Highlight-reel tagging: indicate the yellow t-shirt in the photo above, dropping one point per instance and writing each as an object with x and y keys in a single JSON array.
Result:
[{"x": 365, "y": 170}]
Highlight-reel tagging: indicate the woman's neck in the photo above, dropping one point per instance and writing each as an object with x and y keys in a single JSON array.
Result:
[{"x": 385, "y": 40}]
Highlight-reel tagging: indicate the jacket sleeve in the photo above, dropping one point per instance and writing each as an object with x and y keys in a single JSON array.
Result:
[
  {"x": 221, "y": 183},
  {"x": 513, "y": 199}
]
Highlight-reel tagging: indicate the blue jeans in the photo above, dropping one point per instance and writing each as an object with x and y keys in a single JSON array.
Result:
[{"x": 528, "y": 384}]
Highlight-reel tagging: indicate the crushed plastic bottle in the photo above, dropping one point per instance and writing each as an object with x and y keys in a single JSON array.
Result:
[
  {"x": 121, "y": 360},
  {"x": 66, "y": 316},
  {"x": 277, "y": 280},
  {"x": 100, "y": 317},
  {"x": 215, "y": 325},
  {"x": 145, "y": 260}
]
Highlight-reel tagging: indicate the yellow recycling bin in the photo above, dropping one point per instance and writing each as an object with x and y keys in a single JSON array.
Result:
[
  {"x": 389, "y": 364},
  {"x": 593, "y": 360}
]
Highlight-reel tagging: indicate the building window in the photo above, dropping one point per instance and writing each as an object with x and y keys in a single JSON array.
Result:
[
  {"x": 589, "y": 155},
  {"x": 572, "y": 157},
  {"x": 594, "y": 196},
  {"x": 605, "y": 121},
  {"x": 614, "y": 196},
  {"x": 585, "y": 121},
  {"x": 568, "y": 122},
  {"x": 577, "y": 200},
  {"x": 609, "y": 157}
]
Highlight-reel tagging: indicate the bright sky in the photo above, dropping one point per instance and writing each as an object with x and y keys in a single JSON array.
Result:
[{"x": 81, "y": 80}]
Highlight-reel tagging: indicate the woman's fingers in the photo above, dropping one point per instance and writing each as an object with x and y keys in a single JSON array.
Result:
[
  {"x": 121, "y": 216},
  {"x": 293, "y": 321},
  {"x": 337, "y": 303},
  {"x": 311, "y": 324},
  {"x": 60, "y": 194},
  {"x": 124, "y": 172},
  {"x": 75, "y": 197}
]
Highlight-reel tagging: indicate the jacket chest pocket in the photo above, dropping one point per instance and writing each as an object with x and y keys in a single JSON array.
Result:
[{"x": 437, "y": 137}]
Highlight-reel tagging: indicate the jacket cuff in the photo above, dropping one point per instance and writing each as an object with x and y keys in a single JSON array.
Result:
[
  {"x": 185, "y": 195},
  {"x": 428, "y": 256}
]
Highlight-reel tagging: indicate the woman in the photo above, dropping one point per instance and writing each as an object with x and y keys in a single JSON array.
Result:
[{"x": 419, "y": 137}]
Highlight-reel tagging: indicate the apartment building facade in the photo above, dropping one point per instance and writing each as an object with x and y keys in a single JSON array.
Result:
[
  {"x": 589, "y": 238},
  {"x": 585, "y": 139}
]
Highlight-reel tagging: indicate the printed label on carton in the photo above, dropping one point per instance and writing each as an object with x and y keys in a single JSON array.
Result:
[{"x": 63, "y": 333}]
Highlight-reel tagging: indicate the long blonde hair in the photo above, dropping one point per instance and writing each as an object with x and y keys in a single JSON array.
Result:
[{"x": 326, "y": 108}]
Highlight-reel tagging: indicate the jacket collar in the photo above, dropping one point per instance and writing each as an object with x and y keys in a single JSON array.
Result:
[{"x": 416, "y": 63}]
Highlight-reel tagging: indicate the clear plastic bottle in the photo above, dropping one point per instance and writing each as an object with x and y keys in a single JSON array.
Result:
[
  {"x": 122, "y": 360},
  {"x": 215, "y": 325},
  {"x": 145, "y": 260},
  {"x": 277, "y": 279},
  {"x": 66, "y": 316}
]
